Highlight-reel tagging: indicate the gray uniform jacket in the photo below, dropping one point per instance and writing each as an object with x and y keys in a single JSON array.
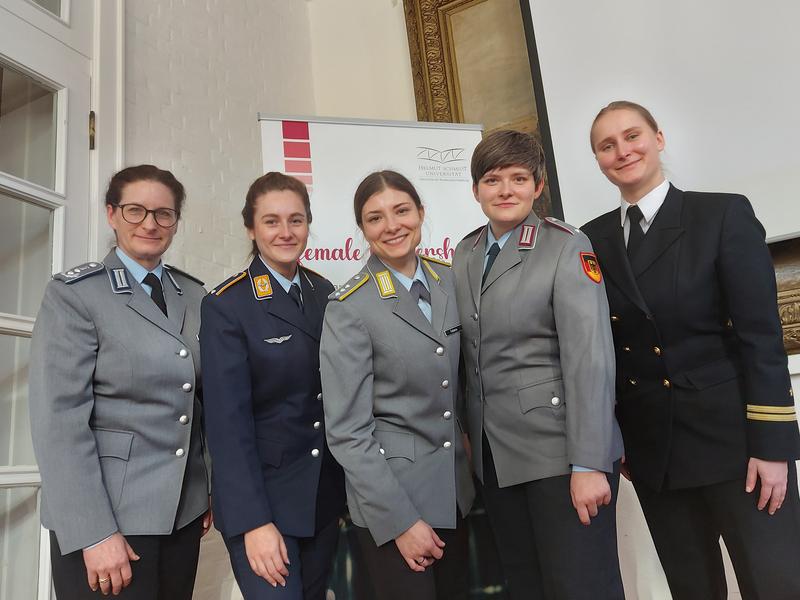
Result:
[
  {"x": 538, "y": 353},
  {"x": 390, "y": 389},
  {"x": 114, "y": 405}
]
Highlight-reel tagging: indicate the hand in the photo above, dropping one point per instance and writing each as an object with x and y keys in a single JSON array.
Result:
[
  {"x": 467, "y": 446},
  {"x": 773, "y": 482},
  {"x": 108, "y": 564},
  {"x": 623, "y": 469},
  {"x": 589, "y": 491},
  {"x": 420, "y": 546},
  {"x": 267, "y": 554},
  {"x": 208, "y": 520}
]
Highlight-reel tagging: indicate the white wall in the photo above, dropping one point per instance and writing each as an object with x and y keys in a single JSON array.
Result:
[
  {"x": 360, "y": 60},
  {"x": 720, "y": 76},
  {"x": 195, "y": 78}
]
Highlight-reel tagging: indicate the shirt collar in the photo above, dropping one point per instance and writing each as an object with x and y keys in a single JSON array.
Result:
[
  {"x": 649, "y": 203},
  {"x": 137, "y": 271},
  {"x": 407, "y": 281},
  {"x": 490, "y": 239},
  {"x": 285, "y": 283}
]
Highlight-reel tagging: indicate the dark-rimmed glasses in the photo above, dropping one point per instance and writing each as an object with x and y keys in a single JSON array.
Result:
[{"x": 136, "y": 213}]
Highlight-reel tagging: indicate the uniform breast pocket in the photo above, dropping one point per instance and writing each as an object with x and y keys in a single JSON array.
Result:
[
  {"x": 395, "y": 444},
  {"x": 114, "y": 450},
  {"x": 544, "y": 414}
]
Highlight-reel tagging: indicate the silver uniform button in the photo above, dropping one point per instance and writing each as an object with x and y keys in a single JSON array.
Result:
[
  {"x": 440, "y": 351},
  {"x": 184, "y": 419},
  {"x": 445, "y": 384},
  {"x": 186, "y": 387},
  {"x": 92, "y": 264},
  {"x": 555, "y": 400},
  {"x": 179, "y": 452},
  {"x": 183, "y": 353},
  {"x": 382, "y": 451},
  {"x": 447, "y": 414},
  {"x": 476, "y": 370},
  {"x": 446, "y": 445},
  {"x": 319, "y": 396},
  {"x": 317, "y": 424},
  {"x": 475, "y": 316},
  {"x": 315, "y": 453}
]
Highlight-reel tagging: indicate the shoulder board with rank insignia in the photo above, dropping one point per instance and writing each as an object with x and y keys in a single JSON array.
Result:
[
  {"x": 349, "y": 287},
  {"x": 184, "y": 273},
  {"x": 233, "y": 279},
  {"x": 438, "y": 261},
  {"x": 479, "y": 232},
  {"x": 80, "y": 272},
  {"x": 430, "y": 270},
  {"x": 561, "y": 225}
]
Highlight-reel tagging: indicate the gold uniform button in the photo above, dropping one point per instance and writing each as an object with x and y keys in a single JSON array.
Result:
[
  {"x": 440, "y": 351},
  {"x": 657, "y": 350},
  {"x": 666, "y": 383}
]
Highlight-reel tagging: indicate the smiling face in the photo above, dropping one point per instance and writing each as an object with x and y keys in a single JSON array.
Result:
[
  {"x": 506, "y": 196},
  {"x": 627, "y": 151},
  {"x": 392, "y": 225},
  {"x": 144, "y": 242},
  {"x": 280, "y": 230}
]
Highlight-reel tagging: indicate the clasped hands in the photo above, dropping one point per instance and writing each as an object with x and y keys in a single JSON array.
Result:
[{"x": 420, "y": 546}]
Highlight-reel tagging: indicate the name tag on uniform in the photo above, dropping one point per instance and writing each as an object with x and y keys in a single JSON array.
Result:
[
  {"x": 453, "y": 330},
  {"x": 278, "y": 340}
]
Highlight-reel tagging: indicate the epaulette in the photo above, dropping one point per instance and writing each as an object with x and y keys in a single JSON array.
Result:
[
  {"x": 438, "y": 261},
  {"x": 561, "y": 225},
  {"x": 473, "y": 232},
  {"x": 479, "y": 232},
  {"x": 184, "y": 273},
  {"x": 217, "y": 291},
  {"x": 348, "y": 288},
  {"x": 80, "y": 272}
]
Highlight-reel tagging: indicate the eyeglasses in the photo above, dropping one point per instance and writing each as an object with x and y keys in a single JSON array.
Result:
[{"x": 136, "y": 213}]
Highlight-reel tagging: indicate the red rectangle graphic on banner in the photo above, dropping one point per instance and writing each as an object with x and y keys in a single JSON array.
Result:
[
  {"x": 298, "y": 166},
  {"x": 295, "y": 130},
  {"x": 296, "y": 150}
]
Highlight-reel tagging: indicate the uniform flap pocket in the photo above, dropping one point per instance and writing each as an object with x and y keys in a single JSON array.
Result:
[
  {"x": 111, "y": 442},
  {"x": 395, "y": 444},
  {"x": 709, "y": 374},
  {"x": 269, "y": 452},
  {"x": 544, "y": 393}
]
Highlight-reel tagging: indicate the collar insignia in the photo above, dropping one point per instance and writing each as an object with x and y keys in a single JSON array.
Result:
[
  {"x": 527, "y": 237},
  {"x": 385, "y": 284},
  {"x": 262, "y": 287},
  {"x": 119, "y": 281}
]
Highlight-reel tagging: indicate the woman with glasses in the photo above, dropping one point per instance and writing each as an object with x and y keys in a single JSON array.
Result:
[{"x": 115, "y": 407}]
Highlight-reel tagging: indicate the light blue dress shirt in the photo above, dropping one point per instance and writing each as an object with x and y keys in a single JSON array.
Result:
[
  {"x": 137, "y": 271},
  {"x": 406, "y": 283},
  {"x": 285, "y": 283}
]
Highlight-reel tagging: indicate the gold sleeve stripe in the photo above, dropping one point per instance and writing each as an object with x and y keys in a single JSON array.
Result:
[
  {"x": 354, "y": 288},
  {"x": 762, "y": 417},
  {"x": 238, "y": 278},
  {"x": 774, "y": 410}
]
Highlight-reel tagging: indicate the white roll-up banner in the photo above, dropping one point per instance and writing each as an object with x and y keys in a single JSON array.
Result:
[{"x": 332, "y": 156}]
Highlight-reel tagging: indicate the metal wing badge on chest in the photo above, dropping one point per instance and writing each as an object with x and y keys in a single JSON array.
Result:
[{"x": 278, "y": 340}]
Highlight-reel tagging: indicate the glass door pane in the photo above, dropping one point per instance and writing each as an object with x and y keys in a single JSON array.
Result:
[
  {"x": 26, "y": 255},
  {"x": 16, "y": 448},
  {"x": 19, "y": 543},
  {"x": 27, "y": 128},
  {"x": 53, "y": 6}
]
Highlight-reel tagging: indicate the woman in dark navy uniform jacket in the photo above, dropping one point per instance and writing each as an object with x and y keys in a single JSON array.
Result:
[
  {"x": 276, "y": 492},
  {"x": 704, "y": 397}
]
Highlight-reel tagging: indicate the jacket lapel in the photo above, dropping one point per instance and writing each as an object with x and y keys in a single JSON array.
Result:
[
  {"x": 439, "y": 300},
  {"x": 664, "y": 231},
  {"x": 610, "y": 246},
  {"x": 278, "y": 303},
  {"x": 176, "y": 304},
  {"x": 522, "y": 238},
  {"x": 475, "y": 267},
  {"x": 313, "y": 304}
]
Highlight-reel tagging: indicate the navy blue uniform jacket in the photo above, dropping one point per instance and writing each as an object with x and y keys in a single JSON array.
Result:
[
  {"x": 262, "y": 396},
  {"x": 702, "y": 379}
]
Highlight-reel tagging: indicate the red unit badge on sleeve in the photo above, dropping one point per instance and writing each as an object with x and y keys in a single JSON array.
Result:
[{"x": 591, "y": 267}]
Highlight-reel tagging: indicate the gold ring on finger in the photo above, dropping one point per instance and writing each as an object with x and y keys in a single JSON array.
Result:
[{"x": 104, "y": 580}]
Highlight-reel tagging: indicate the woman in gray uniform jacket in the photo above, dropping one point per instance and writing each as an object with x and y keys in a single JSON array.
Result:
[
  {"x": 389, "y": 363},
  {"x": 115, "y": 407}
]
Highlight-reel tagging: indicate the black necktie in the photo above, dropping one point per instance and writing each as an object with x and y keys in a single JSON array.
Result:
[
  {"x": 294, "y": 293},
  {"x": 420, "y": 292},
  {"x": 493, "y": 252},
  {"x": 157, "y": 292},
  {"x": 635, "y": 233}
]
